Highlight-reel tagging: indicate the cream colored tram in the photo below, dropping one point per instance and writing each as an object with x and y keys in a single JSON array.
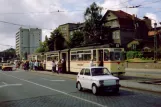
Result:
[
  {"x": 37, "y": 57},
  {"x": 50, "y": 56},
  {"x": 113, "y": 58}
]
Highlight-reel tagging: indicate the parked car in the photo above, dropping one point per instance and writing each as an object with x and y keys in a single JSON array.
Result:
[
  {"x": 7, "y": 67},
  {"x": 97, "y": 79}
]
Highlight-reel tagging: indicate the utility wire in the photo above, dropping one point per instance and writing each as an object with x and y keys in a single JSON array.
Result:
[{"x": 21, "y": 25}]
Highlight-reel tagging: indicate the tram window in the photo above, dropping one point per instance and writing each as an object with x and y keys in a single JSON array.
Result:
[
  {"x": 86, "y": 57},
  {"x": 94, "y": 55},
  {"x": 49, "y": 58},
  {"x": 117, "y": 56},
  {"x": 73, "y": 57},
  {"x": 123, "y": 56},
  {"x": 106, "y": 55},
  {"x": 112, "y": 56}
]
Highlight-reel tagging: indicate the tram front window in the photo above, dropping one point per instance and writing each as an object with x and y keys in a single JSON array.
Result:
[{"x": 116, "y": 56}]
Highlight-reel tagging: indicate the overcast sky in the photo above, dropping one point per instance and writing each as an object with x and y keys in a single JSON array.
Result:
[{"x": 42, "y": 14}]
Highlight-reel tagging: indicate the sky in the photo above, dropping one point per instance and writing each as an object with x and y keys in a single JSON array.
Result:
[{"x": 44, "y": 14}]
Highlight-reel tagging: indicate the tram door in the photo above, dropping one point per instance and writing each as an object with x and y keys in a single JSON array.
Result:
[
  {"x": 65, "y": 57},
  {"x": 100, "y": 57}
]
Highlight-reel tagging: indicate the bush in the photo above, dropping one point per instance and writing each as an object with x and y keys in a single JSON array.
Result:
[{"x": 133, "y": 54}]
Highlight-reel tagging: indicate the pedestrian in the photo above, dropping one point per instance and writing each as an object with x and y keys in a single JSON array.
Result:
[
  {"x": 27, "y": 65},
  {"x": 59, "y": 67},
  {"x": 91, "y": 63},
  {"x": 101, "y": 63},
  {"x": 36, "y": 65},
  {"x": 63, "y": 66},
  {"x": 53, "y": 66},
  {"x": 31, "y": 65}
]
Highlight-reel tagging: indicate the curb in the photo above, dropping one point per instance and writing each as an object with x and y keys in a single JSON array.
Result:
[{"x": 140, "y": 86}]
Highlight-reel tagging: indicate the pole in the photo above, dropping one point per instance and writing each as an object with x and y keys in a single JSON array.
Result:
[{"x": 155, "y": 42}]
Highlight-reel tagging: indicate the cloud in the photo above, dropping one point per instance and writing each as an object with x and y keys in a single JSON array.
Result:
[
  {"x": 49, "y": 20},
  {"x": 154, "y": 18},
  {"x": 118, "y": 5}
]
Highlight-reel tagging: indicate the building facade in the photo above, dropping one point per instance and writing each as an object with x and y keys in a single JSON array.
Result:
[
  {"x": 67, "y": 29},
  {"x": 27, "y": 41},
  {"x": 124, "y": 27}
]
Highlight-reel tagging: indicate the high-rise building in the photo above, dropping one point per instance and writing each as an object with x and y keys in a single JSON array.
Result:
[{"x": 27, "y": 41}]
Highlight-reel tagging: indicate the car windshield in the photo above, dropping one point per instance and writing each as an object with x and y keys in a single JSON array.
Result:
[{"x": 99, "y": 71}]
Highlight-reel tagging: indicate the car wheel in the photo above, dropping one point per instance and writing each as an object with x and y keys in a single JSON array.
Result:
[
  {"x": 79, "y": 86},
  {"x": 94, "y": 90}
]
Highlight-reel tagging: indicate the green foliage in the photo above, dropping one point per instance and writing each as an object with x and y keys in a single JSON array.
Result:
[
  {"x": 76, "y": 39},
  {"x": 92, "y": 28},
  {"x": 43, "y": 47},
  {"x": 8, "y": 53},
  {"x": 56, "y": 40},
  {"x": 134, "y": 54}
]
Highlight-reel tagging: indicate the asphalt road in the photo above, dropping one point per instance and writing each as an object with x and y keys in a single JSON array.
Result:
[{"x": 27, "y": 89}]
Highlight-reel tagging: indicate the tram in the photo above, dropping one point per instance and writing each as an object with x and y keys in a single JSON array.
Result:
[
  {"x": 76, "y": 58},
  {"x": 50, "y": 56}
]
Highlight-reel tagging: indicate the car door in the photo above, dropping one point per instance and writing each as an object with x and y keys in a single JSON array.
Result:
[
  {"x": 80, "y": 77},
  {"x": 87, "y": 78}
]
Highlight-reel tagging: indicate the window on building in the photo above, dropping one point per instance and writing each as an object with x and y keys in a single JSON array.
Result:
[{"x": 116, "y": 35}]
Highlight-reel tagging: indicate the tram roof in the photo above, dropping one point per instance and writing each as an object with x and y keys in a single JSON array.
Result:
[{"x": 92, "y": 47}]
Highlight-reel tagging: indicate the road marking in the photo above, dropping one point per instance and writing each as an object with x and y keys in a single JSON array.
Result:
[
  {"x": 4, "y": 83},
  {"x": 52, "y": 80},
  {"x": 100, "y": 105},
  {"x": 8, "y": 85}
]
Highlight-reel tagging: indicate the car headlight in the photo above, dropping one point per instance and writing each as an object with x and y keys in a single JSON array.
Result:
[
  {"x": 117, "y": 82},
  {"x": 101, "y": 82}
]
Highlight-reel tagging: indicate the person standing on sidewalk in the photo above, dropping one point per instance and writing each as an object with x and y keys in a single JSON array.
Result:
[
  {"x": 59, "y": 66},
  {"x": 91, "y": 63},
  {"x": 36, "y": 65},
  {"x": 53, "y": 66}
]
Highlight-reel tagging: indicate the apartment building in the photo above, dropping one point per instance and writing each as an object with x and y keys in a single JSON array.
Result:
[{"x": 27, "y": 41}]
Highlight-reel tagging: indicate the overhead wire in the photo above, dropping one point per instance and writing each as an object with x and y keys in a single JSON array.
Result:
[{"x": 22, "y": 25}]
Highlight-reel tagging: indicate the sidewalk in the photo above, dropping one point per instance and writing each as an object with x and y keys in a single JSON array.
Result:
[
  {"x": 146, "y": 73},
  {"x": 147, "y": 70},
  {"x": 141, "y": 84}
]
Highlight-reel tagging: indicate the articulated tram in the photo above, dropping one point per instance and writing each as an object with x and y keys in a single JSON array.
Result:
[{"x": 76, "y": 58}]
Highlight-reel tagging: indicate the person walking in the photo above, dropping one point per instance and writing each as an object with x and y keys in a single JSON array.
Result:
[
  {"x": 36, "y": 65},
  {"x": 53, "y": 66},
  {"x": 63, "y": 66},
  {"x": 59, "y": 67},
  {"x": 101, "y": 63},
  {"x": 91, "y": 63}
]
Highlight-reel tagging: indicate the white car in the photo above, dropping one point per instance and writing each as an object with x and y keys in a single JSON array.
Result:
[{"x": 97, "y": 79}]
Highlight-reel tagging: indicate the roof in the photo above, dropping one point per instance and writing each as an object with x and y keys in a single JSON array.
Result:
[
  {"x": 121, "y": 14},
  {"x": 69, "y": 23}
]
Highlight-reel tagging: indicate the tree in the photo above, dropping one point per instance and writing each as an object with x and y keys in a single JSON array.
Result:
[
  {"x": 40, "y": 48},
  {"x": 77, "y": 39},
  {"x": 43, "y": 46},
  {"x": 92, "y": 29},
  {"x": 56, "y": 40}
]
